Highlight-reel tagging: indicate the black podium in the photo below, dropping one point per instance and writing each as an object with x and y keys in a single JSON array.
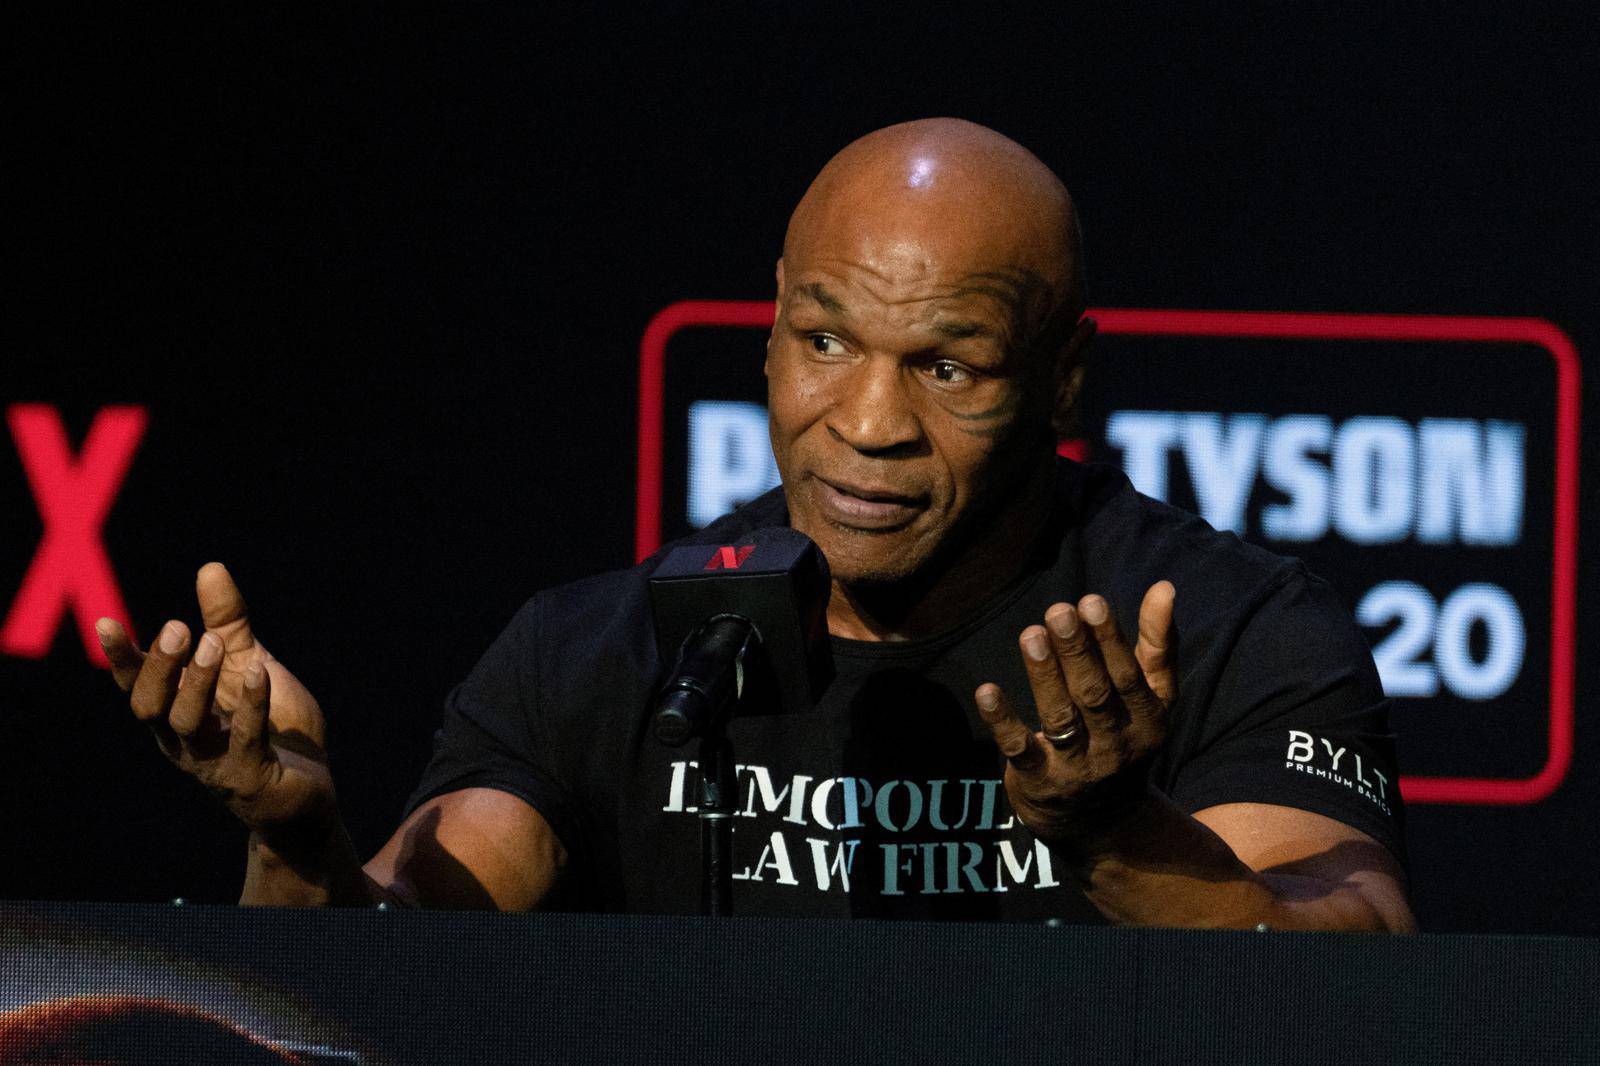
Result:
[{"x": 396, "y": 987}]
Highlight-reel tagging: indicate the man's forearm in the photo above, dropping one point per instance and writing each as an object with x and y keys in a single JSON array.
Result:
[
  {"x": 1159, "y": 866},
  {"x": 310, "y": 866}
]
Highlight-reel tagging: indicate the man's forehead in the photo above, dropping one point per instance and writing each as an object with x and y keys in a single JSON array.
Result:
[
  {"x": 840, "y": 290},
  {"x": 930, "y": 250},
  {"x": 986, "y": 301}
]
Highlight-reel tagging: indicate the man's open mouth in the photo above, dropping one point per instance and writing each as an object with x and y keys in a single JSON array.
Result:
[{"x": 866, "y": 507}]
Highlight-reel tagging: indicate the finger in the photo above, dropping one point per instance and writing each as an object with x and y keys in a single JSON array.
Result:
[
  {"x": 247, "y": 731},
  {"x": 223, "y": 608},
  {"x": 1155, "y": 637},
  {"x": 1124, "y": 671},
  {"x": 1050, "y": 696},
  {"x": 1087, "y": 681},
  {"x": 158, "y": 677},
  {"x": 193, "y": 703},
  {"x": 1016, "y": 741},
  {"x": 124, "y": 655}
]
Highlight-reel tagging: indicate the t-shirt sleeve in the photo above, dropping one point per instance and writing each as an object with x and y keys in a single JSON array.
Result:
[
  {"x": 1298, "y": 718},
  {"x": 492, "y": 735}
]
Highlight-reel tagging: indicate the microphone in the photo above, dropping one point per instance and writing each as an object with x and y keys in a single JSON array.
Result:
[{"x": 744, "y": 624}]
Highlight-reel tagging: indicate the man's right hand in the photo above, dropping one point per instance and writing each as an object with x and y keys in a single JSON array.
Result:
[
  {"x": 233, "y": 718},
  {"x": 229, "y": 715}
]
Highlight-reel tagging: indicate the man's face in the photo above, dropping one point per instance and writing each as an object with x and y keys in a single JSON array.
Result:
[{"x": 897, "y": 382}]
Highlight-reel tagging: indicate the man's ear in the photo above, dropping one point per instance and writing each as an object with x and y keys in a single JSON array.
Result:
[{"x": 1068, "y": 374}]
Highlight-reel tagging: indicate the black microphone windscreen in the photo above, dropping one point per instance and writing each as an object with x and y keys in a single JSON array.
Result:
[{"x": 775, "y": 578}]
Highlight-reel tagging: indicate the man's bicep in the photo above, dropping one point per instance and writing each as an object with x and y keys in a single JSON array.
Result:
[
  {"x": 1304, "y": 853},
  {"x": 476, "y": 848}
]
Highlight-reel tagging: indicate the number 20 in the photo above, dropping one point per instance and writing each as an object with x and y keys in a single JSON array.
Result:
[{"x": 1447, "y": 627}]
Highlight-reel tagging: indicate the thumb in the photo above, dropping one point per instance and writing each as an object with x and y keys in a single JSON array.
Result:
[
  {"x": 223, "y": 607},
  {"x": 1154, "y": 650}
]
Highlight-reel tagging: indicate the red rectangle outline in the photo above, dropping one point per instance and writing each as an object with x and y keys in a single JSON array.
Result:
[{"x": 1283, "y": 325}]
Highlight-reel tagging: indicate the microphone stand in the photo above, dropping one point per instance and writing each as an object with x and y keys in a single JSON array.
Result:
[
  {"x": 716, "y": 780},
  {"x": 708, "y": 690},
  {"x": 716, "y": 822}
]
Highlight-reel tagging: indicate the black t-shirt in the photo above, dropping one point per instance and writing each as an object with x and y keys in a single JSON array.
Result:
[{"x": 885, "y": 800}]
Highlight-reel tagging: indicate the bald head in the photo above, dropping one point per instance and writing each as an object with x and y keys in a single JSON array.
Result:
[
  {"x": 950, "y": 188},
  {"x": 925, "y": 347}
]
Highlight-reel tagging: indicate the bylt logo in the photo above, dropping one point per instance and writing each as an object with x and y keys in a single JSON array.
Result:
[
  {"x": 728, "y": 557},
  {"x": 74, "y": 495}
]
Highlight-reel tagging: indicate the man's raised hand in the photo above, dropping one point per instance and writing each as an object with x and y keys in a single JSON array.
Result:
[
  {"x": 1102, "y": 712},
  {"x": 228, "y": 714}
]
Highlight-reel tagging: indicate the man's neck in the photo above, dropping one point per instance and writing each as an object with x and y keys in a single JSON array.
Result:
[{"x": 926, "y": 605}]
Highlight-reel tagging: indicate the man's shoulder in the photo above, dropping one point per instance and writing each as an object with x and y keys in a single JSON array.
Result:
[
  {"x": 1228, "y": 590},
  {"x": 1131, "y": 540}
]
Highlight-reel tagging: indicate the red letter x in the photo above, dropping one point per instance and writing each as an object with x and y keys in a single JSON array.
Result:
[{"x": 74, "y": 496}]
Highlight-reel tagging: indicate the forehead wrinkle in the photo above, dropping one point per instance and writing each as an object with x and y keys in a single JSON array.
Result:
[
  {"x": 824, "y": 299},
  {"x": 943, "y": 323},
  {"x": 955, "y": 312},
  {"x": 993, "y": 287},
  {"x": 960, "y": 330}
]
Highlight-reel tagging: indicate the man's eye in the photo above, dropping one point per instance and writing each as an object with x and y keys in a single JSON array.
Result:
[
  {"x": 825, "y": 345},
  {"x": 951, "y": 373}
]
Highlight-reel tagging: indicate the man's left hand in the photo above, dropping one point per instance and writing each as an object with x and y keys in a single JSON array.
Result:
[{"x": 1102, "y": 712}]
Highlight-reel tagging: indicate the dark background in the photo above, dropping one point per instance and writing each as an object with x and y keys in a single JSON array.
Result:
[{"x": 380, "y": 274}]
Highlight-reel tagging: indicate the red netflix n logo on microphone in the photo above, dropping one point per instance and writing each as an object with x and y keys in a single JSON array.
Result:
[{"x": 728, "y": 557}]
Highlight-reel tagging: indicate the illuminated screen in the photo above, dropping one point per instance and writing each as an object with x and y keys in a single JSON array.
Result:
[{"x": 1394, "y": 454}]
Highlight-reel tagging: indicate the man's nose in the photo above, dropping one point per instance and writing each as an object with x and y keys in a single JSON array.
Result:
[{"x": 873, "y": 413}]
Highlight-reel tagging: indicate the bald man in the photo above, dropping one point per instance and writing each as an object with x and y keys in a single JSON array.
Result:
[{"x": 1056, "y": 698}]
